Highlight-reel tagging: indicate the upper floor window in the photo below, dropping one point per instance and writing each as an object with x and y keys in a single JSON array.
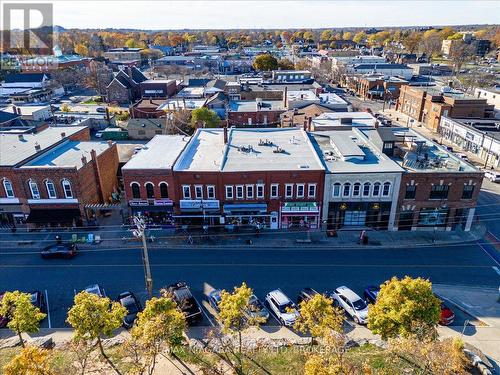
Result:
[
  {"x": 51, "y": 189},
  {"x": 35, "y": 193},
  {"x": 300, "y": 190},
  {"x": 411, "y": 191},
  {"x": 468, "y": 192},
  {"x": 9, "y": 190},
  {"x": 274, "y": 190},
  {"x": 386, "y": 189},
  {"x": 150, "y": 190},
  {"x": 229, "y": 192},
  {"x": 68, "y": 191},
  {"x": 163, "y": 190},
  {"x": 186, "y": 191},
  {"x": 210, "y": 192},
  {"x": 198, "y": 192},
  {"x": 336, "y": 189},
  {"x": 239, "y": 191},
  {"x": 288, "y": 190},
  {"x": 376, "y": 189},
  {"x": 356, "y": 188},
  {"x": 347, "y": 189},
  {"x": 136, "y": 190},
  {"x": 249, "y": 191},
  {"x": 311, "y": 193},
  {"x": 260, "y": 190},
  {"x": 366, "y": 189},
  {"x": 439, "y": 192}
]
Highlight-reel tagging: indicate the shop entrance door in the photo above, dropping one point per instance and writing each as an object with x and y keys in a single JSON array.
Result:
[{"x": 355, "y": 218}]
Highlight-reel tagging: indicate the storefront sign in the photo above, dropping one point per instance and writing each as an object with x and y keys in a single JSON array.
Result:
[
  {"x": 196, "y": 204},
  {"x": 469, "y": 136},
  {"x": 139, "y": 202},
  {"x": 163, "y": 202}
]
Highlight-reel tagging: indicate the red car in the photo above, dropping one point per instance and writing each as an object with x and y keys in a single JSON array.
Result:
[
  {"x": 447, "y": 315},
  {"x": 3, "y": 320}
]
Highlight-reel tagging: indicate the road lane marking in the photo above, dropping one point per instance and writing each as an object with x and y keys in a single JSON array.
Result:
[
  {"x": 497, "y": 270},
  {"x": 48, "y": 307},
  {"x": 495, "y": 237},
  {"x": 487, "y": 252}
]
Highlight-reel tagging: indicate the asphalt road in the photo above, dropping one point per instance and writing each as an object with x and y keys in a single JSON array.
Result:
[{"x": 263, "y": 269}]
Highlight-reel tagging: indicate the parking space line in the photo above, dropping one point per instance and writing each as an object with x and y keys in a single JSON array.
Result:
[
  {"x": 48, "y": 307},
  {"x": 497, "y": 270},
  {"x": 487, "y": 252},
  {"x": 204, "y": 312}
]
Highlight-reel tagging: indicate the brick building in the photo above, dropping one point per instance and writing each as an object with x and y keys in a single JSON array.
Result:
[
  {"x": 125, "y": 86},
  {"x": 255, "y": 112}
]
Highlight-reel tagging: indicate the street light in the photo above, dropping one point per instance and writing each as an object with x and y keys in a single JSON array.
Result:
[{"x": 139, "y": 232}]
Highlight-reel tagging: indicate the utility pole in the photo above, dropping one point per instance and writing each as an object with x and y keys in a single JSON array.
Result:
[{"x": 141, "y": 232}]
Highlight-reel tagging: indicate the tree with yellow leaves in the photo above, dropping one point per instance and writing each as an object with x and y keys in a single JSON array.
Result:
[{"x": 30, "y": 361}]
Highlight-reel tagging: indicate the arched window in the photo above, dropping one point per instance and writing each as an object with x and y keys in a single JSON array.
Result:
[
  {"x": 51, "y": 189},
  {"x": 163, "y": 190},
  {"x": 9, "y": 190},
  {"x": 387, "y": 189},
  {"x": 336, "y": 189},
  {"x": 347, "y": 189},
  {"x": 376, "y": 189},
  {"x": 366, "y": 189},
  {"x": 150, "y": 190},
  {"x": 136, "y": 190},
  {"x": 68, "y": 191},
  {"x": 356, "y": 188},
  {"x": 35, "y": 193}
]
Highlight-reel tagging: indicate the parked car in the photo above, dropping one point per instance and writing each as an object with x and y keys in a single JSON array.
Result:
[
  {"x": 185, "y": 301},
  {"x": 100, "y": 110},
  {"x": 256, "y": 310},
  {"x": 491, "y": 175},
  {"x": 371, "y": 293},
  {"x": 133, "y": 306},
  {"x": 449, "y": 148},
  {"x": 354, "y": 306},
  {"x": 59, "y": 250},
  {"x": 447, "y": 315},
  {"x": 95, "y": 289},
  {"x": 38, "y": 300},
  {"x": 283, "y": 307},
  {"x": 305, "y": 295},
  {"x": 462, "y": 156},
  {"x": 3, "y": 319},
  {"x": 98, "y": 134},
  {"x": 214, "y": 299}
]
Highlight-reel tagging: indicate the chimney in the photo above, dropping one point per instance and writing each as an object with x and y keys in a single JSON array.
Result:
[
  {"x": 84, "y": 160},
  {"x": 285, "y": 97},
  {"x": 225, "y": 134},
  {"x": 63, "y": 135},
  {"x": 14, "y": 109},
  {"x": 129, "y": 72},
  {"x": 21, "y": 137},
  {"x": 110, "y": 143},
  {"x": 309, "y": 122},
  {"x": 305, "y": 124},
  {"x": 93, "y": 154},
  {"x": 37, "y": 147}
]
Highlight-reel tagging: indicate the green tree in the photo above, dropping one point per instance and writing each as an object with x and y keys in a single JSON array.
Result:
[
  {"x": 405, "y": 307},
  {"x": 93, "y": 317},
  {"x": 206, "y": 117},
  {"x": 359, "y": 37},
  {"x": 159, "y": 325},
  {"x": 265, "y": 63},
  {"x": 456, "y": 36},
  {"x": 319, "y": 317},
  {"x": 285, "y": 64},
  {"x": 30, "y": 361},
  {"x": 23, "y": 316}
]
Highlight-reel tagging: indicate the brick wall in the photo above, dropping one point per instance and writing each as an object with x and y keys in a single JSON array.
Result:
[
  {"x": 107, "y": 168},
  {"x": 258, "y": 118}
]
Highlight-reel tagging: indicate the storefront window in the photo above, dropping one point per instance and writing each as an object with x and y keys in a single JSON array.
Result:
[
  {"x": 136, "y": 191},
  {"x": 150, "y": 190},
  {"x": 432, "y": 217},
  {"x": 163, "y": 190}
]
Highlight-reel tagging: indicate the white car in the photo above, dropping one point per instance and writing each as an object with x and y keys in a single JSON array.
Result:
[
  {"x": 493, "y": 176},
  {"x": 351, "y": 303},
  {"x": 462, "y": 156},
  {"x": 282, "y": 307},
  {"x": 98, "y": 135},
  {"x": 95, "y": 289}
]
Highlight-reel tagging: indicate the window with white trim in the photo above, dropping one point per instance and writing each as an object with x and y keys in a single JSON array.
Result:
[
  {"x": 249, "y": 191},
  {"x": 260, "y": 191},
  {"x": 356, "y": 189},
  {"x": 347, "y": 189},
  {"x": 68, "y": 191},
  {"x": 229, "y": 192},
  {"x": 198, "y": 191},
  {"x": 366, "y": 189},
  {"x": 9, "y": 190},
  {"x": 136, "y": 190},
  {"x": 51, "y": 189},
  {"x": 239, "y": 191},
  {"x": 35, "y": 193},
  {"x": 210, "y": 192},
  {"x": 311, "y": 192},
  {"x": 386, "y": 189},
  {"x": 336, "y": 189},
  {"x": 150, "y": 190},
  {"x": 186, "y": 191},
  {"x": 300, "y": 190},
  {"x": 376, "y": 189},
  {"x": 274, "y": 190},
  {"x": 288, "y": 190},
  {"x": 163, "y": 190}
]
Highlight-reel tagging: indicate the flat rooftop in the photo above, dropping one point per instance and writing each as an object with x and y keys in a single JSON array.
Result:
[
  {"x": 161, "y": 152},
  {"x": 14, "y": 150},
  {"x": 348, "y": 119},
  {"x": 67, "y": 154},
  {"x": 349, "y": 151},
  {"x": 204, "y": 152},
  {"x": 251, "y": 105},
  {"x": 331, "y": 98},
  {"x": 184, "y": 103},
  {"x": 301, "y": 95},
  {"x": 287, "y": 149}
]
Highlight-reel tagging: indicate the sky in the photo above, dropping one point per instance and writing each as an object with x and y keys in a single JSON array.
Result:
[{"x": 226, "y": 14}]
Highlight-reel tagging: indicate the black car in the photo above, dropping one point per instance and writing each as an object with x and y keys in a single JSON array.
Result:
[
  {"x": 60, "y": 250},
  {"x": 38, "y": 300},
  {"x": 133, "y": 306},
  {"x": 306, "y": 294},
  {"x": 185, "y": 301},
  {"x": 371, "y": 293}
]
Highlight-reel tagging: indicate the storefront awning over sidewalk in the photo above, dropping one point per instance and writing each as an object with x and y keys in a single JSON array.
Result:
[
  {"x": 249, "y": 207},
  {"x": 59, "y": 215},
  {"x": 103, "y": 206}
]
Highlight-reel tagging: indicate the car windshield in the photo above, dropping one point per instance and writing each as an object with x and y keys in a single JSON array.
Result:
[
  {"x": 359, "y": 305},
  {"x": 254, "y": 305},
  {"x": 286, "y": 307},
  {"x": 130, "y": 305}
]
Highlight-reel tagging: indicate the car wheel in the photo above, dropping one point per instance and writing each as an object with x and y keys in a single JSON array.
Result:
[
  {"x": 356, "y": 320},
  {"x": 282, "y": 322}
]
